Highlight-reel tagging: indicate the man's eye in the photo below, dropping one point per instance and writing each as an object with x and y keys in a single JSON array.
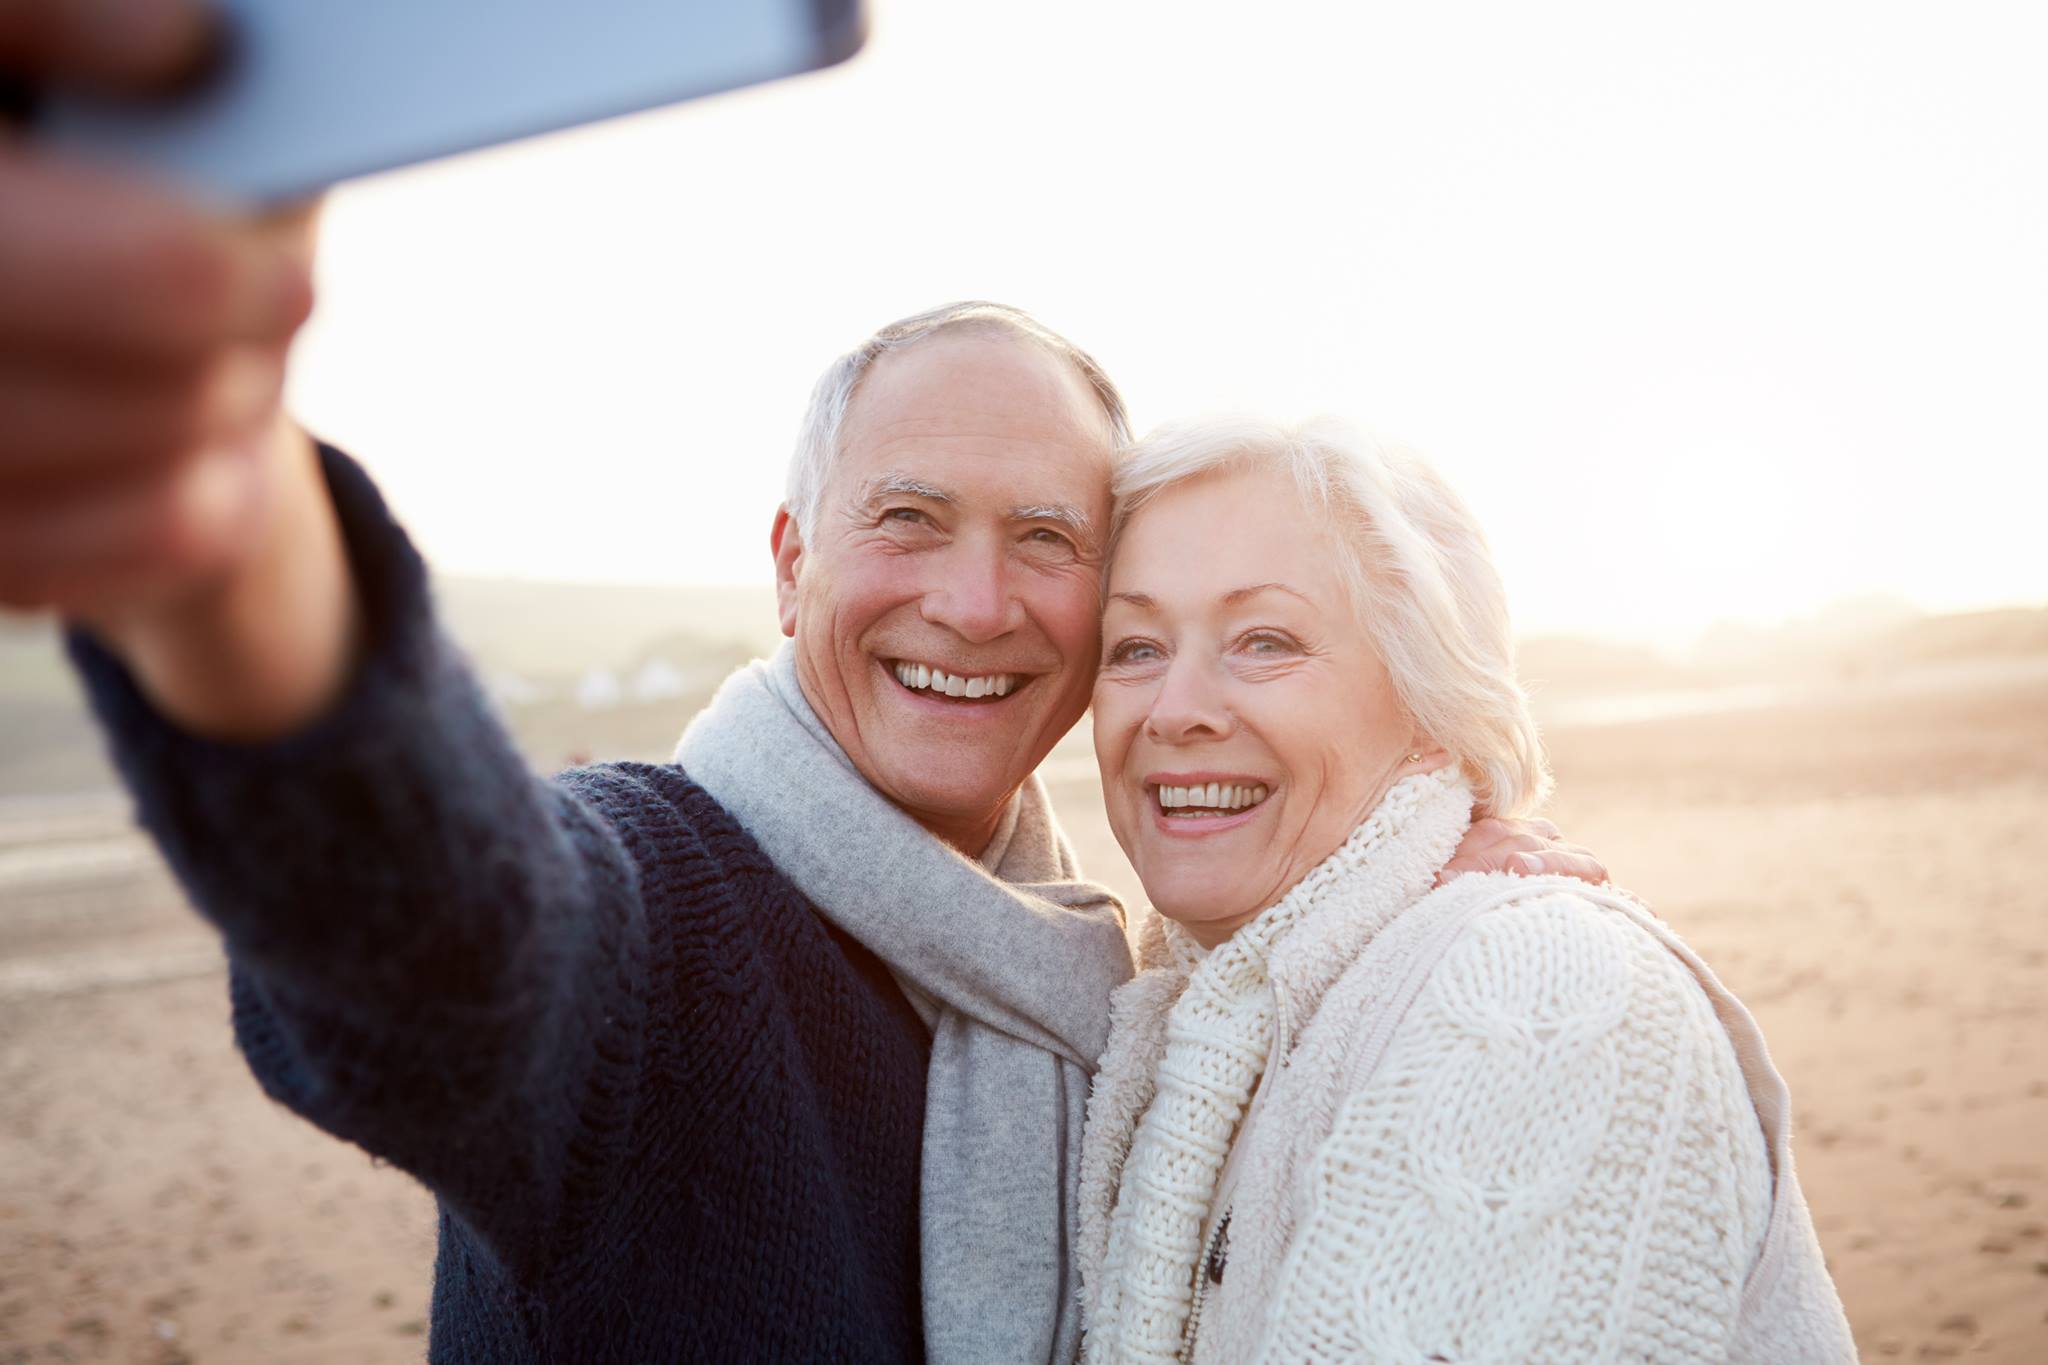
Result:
[
  {"x": 1046, "y": 536},
  {"x": 911, "y": 515}
]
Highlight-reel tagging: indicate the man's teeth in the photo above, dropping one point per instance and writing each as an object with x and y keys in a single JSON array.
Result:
[
  {"x": 1213, "y": 796},
  {"x": 927, "y": 678}
]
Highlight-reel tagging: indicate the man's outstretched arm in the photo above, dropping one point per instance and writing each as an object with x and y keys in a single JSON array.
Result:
[{"x": 436, "y": 954}]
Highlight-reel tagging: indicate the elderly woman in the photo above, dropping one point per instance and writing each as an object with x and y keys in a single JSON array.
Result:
[{"x": 1346, "y": 1113}]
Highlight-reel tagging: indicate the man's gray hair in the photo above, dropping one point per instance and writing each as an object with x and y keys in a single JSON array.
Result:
[
  {"x": 817, "y": 444},
  {"x": 1420, "y": 573}
]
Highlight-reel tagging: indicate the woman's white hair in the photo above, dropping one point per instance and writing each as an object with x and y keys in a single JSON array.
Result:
[
  {"x": 1419, "y": 570},
  {"x": 817, "y": 444}
]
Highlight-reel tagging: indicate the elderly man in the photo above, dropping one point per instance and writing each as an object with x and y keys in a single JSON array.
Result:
[{"x": 778, "y": 1052}]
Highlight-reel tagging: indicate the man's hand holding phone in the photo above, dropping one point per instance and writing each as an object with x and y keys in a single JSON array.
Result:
[
  {"x": 151, "y": 487},
  {"x": 150, "y": 484}
]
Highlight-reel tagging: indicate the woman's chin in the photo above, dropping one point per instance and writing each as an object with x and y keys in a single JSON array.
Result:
[{"x": 1198, "y": 908}]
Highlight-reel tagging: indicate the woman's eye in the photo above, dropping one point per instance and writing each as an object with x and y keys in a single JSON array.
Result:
[
  {"x": 1267, "y": 645},
  {"x": 1133, "y": 652}
]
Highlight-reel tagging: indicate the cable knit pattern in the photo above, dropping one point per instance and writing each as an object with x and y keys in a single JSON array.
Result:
[
  {"x": 1491, "y": 1193},
  {"x": 668, "y": 1112},
  {"x": 1507, "y": 1120}
]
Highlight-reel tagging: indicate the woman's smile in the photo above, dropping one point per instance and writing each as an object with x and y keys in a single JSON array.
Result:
[{"x": 1199, "y": 804}]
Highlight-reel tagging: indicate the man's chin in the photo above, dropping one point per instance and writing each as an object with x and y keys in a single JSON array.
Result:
[
  {"x": 951, "y": 801},
  {"x": 947, "y": 787},
  {"x": 937, "y": 769}
]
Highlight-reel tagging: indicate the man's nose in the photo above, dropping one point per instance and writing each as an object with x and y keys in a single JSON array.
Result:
[
  {"x": 973, "y": 597},
  {"x": 1189, "y": 706}
]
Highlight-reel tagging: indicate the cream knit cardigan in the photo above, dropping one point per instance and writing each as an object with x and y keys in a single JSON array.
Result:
[{"x": 1506, "y": 1120}]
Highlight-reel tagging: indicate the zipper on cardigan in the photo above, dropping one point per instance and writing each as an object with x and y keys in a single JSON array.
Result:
[
  {"x": 1208, "y": 1271},
  {"x": 1215, "y": 1257}
]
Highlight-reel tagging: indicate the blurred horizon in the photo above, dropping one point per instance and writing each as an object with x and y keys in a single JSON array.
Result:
[{"x": 587, "y": 672}]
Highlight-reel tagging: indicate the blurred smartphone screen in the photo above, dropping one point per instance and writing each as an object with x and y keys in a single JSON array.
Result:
[{"x": 310, "y": 92}]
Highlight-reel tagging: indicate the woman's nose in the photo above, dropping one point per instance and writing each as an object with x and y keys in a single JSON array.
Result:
[{"x": 1188, "y": 707}]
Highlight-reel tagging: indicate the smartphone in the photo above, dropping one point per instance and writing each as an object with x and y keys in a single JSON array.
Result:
[{"x": 310, "y": 92}]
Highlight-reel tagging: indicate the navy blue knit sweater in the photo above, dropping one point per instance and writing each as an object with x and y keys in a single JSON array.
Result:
[{"x": 668, "y": 1112}]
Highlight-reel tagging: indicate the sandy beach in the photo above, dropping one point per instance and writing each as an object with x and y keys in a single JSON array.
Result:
[{"x": 1860, "y": 866}]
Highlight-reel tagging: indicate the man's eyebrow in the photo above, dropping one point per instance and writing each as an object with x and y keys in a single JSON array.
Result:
[
  {"x": 1065, "y": 513},
  {"x": 892, "y": 485}
]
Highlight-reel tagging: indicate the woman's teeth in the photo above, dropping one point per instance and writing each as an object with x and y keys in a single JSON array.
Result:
[
  {"x": 1213, "y": 798},
  {"x": 923, "y": 677}
]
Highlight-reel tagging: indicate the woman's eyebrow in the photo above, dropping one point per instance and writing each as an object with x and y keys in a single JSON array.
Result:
[
  {"x": 1237, "y": 595},
  {"x": 1143, "y": 602}
]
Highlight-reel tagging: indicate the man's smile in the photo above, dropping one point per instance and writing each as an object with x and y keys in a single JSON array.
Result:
[{"x": 931, "y": 680}]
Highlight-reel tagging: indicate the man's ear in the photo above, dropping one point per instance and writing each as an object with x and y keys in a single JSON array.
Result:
[{"x": 786, "y": 542}]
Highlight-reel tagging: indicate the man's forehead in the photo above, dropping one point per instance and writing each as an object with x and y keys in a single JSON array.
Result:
[
  {"x": 974, "y": 457},
  {"x": 963, "y": 467},
  {"x": 976, "y": 384},
  {"x": 991, "y": 420}
]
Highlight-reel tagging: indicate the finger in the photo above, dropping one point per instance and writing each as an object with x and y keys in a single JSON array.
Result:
[
  {"x": 1497, "y": 852},
  {"x": 97, "y": 268},
  {"x": 1484, "y": 832},
  {"x": 1464, "y": 863},
  {"x": 1556, "y": 862},
  {"x": 1500, "y": 858},
  {"x": 67, "y": 426},
  {"x": 1496, "y": 827},
  {"x": 137, "y": 46},
  {"x": 1521, "y": 854},
  {"x": 155, "y": 536}
]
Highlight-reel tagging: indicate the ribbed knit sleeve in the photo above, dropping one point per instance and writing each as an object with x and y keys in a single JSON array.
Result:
[
  {"x": 436, "y": 954},
  {"x": 1555, "y": 1160}
]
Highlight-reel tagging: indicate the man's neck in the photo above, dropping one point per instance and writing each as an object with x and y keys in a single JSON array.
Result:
[{"x": 970, "y": 838}]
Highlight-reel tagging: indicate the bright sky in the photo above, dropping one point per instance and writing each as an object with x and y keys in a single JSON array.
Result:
[{"x": 1712, "y": 311}]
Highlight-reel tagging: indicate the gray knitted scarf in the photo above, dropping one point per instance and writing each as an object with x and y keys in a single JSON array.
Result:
[{"x": 1010, "y": 961}]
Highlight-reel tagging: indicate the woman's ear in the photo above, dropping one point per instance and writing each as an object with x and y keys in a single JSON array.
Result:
[
  {"x": 1425, "y": 756},
  {"x": 786, "y": 542}
]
